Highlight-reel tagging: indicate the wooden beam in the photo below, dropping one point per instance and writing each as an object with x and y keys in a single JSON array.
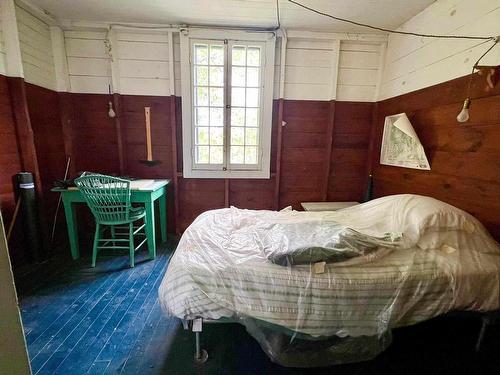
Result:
[
  {"x": 381, "y": 64},
  {"x": 335, "y": 69},
  {"x": 173, "y": 127},
  {"x": 117, "y": 104},
  {"x": 13, "y": 60},
  {"x": 280, "y": 122},
  {"x": 60, "y": 60},
  {"x": 279, "y": 141},
  {"x": 304, "y": 34},
  {"x": 226, "y": 192},
  {"x": 175, "y": 173},
  {"x": 113, "y": 55},
  {"x": 328, "y": 153},
  {"x": 67, "y": 120},
  {"x": 24, "y": 132}
]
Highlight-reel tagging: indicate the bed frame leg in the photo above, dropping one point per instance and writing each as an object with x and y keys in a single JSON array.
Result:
[
  {"x": 485, "y": 322},
  {"x": 201, "y": 355}
]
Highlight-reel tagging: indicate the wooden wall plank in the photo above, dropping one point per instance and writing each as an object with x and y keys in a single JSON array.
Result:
[
  {"x": 465, "y": 167},
  {"x": 9, "y": 152}
]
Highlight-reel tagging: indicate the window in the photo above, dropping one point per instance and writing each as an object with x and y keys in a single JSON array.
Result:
[{"x": 227, "y": 88}]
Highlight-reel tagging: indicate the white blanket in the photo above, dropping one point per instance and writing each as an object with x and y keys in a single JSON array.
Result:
[{"x": 447, "y": 262}]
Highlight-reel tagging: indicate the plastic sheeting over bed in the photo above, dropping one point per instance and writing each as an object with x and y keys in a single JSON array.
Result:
[{"x": 322, "y": 288}]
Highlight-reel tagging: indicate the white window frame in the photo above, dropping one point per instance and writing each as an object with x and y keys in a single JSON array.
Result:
[{"x": 262, "y": 169}]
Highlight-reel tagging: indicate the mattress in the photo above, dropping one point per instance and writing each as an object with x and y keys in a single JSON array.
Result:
[{"x": 220, "y": 271}]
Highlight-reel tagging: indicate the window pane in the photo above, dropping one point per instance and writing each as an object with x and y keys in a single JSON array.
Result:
[
  {"x": 239, "y": 55},
  {"x": 216, "y": 76},
  {"x": 237, "y": 117},
  {"x": 216, "y": 96},
  {"x": 251, "y": 136},
  {"x": 216, "y": 154},
  {"x": 252, "y": 77},
  {"x": 216, "y": 55},
  {"x": 202, "y": 136},
  {"x": 238, "y": 97},
  {"x": 252, "y": 97},
  {"x": 201, "y": 76},
  {"x": 201, "y": 116},
  {"x": 252, "y": 117},
  {"x": 237, "y": 136},
  {"x": 216, "y": 117},
  {"x": 238, "y": 76},
  {"x": 237, "y": 155},
  {"x": 250, "y": 155},
  {"x": 202, "y": 154},
  {"x": 201, "y": 97},
  {"x": 217, "y": 136},
  {"x": 253, "y": 56},
  {"x": 201, "y": 54}
]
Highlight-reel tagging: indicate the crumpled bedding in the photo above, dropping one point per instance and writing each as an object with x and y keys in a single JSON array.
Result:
[
  {"x": 317, "y": 241},
  {"x": 445, "y": 260}
]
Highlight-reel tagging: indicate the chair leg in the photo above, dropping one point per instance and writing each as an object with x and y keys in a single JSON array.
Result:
[
  {"x": 131, "y": 245},
  {"x": 96, "y": 243},
  {"x": 113, "y": 234}
]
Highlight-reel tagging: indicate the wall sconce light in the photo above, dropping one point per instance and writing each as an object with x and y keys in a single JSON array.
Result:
[
  {"x": 111, "y": 112},
  {"x": 463, "y": 116}
]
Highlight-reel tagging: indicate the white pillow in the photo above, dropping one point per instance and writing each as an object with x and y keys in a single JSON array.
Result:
[{"x": 432, "y": 224}]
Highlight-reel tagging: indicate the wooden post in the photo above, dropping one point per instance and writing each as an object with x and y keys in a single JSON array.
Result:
[
  {"x": 67, "y": 120},
  {"x": 328, "y": 153},
  {"x": 117, "y": 104},
  {"x": 173, "y": 128},
  {"x": 226, "y": 192},
  {"x": 24, "y": 132},
  {"x": 279, "y": 141}
]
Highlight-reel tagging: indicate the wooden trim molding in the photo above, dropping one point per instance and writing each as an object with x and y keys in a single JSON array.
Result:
[
  {"x": 279, "y": 141},
  {"x": 122, "y": 147},
  {"x": 24, "y": 132},
  {"x": 328, "y": 153}
]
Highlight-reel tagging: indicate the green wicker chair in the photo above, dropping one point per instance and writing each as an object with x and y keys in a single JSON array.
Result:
[{"x": 109, "y": 200}]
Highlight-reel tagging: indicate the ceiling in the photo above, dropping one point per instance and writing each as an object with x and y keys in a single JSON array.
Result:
[{"x": 261, "y": 13}]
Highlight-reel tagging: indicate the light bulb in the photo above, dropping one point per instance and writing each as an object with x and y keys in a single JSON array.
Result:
[
  {"x": 463, "y": 116},
  {"x": 111, "y": 112}
]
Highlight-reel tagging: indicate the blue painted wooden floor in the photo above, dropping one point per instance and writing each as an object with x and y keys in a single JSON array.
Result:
[
  {"x": 107, "y": 320},
  {"x": 101, "y": 320}
]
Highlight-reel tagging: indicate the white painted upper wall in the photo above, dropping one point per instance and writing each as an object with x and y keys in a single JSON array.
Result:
[
  {"x": 318, "y": 66},
  {"x": 36, "y": 49},
  {"x": 413, "y": 63},
  {"x": 3, "y": 69},
  {"x": 142, "y": 63}
]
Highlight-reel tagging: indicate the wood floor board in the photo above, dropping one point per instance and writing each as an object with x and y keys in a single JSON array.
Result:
[
  {"x": 39, "y": 314},
  {"x": 135, "y": 359},
  {"x": 58, "y": 347},
  {"x": 56, "y": 322},
  {"x": 129, "y": 328},
  {"x": 107, "y": 330}
]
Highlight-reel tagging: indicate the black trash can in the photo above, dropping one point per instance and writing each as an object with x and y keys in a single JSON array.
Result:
[{"x": 29, "y": 215}]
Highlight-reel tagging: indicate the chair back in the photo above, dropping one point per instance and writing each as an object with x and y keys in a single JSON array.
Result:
[{"x": 108, "y": 197}]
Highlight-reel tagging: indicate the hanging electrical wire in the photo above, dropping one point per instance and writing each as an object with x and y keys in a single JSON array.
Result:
[
  {"x": 278, "y": 14},
  {"x": 389, "y": 30}
]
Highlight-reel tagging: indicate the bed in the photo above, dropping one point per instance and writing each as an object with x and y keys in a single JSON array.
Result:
[{"x": 443, "y": 260}]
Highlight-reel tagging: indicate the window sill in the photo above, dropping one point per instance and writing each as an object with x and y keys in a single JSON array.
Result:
[{"x": 226, "y": 174}]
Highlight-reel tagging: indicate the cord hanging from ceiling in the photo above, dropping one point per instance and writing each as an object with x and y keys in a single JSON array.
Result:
[{"x": 390, "y": 30}]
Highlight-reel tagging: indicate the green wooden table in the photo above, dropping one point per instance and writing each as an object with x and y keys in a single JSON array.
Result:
[{"x": 143, "y": 192}]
